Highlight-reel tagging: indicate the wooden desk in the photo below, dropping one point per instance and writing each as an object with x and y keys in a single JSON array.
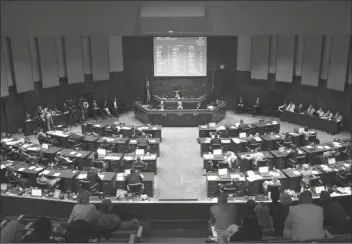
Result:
[
  {"x": 246, "y": 164},
  {"x": 51, "y": 152},
  {"x": 205, "y": 144},
  {"x": 127, "y": 131},
  {"x": 89, "y": 142},
  {"x": 213, "y": 180},
  {"x": 99, "y": 129},
  {"x": 281, "y": 158},
  {"x": 148, "y": 181},
  {"x": 255, "y": 186},
  {"x": 270, "y": 141},
  {"x": 113, "y": 159},
  {"x": 206, "y": 131},
  {"x": 267, "y": 127},
  {"x": 151, "y": 161},
  {"x": 154, "y": 130},
  {"x": 79, "y": 155},
  {"x": 67, "y": 182},
  {"x": 153, "y": 143},
  {"x": 314, "y": 152},
  {"x": 29, "y": 172},
  {"x": 107, "y": 185},
  {"x": 207, "y": 157}
]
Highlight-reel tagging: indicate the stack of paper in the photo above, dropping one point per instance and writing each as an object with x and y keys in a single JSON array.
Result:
[
  {"x": 101, "y": 176},
  {"x": 112, "y": 158},
  {"x": 57, "y": 174},
  {"x": 208, "y": 156},
  {"x": 45, "y": 172},
  {"x": 82, "y": 176},
  {"x": 213, "y": 178},
  {"x": 125, "y": 128}
]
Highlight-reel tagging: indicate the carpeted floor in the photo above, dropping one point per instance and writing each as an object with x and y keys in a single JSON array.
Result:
[{"x": 180, "y": 165}]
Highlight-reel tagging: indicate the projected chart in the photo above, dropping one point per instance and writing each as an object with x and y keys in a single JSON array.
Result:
[{"x": 180, "y": 56}]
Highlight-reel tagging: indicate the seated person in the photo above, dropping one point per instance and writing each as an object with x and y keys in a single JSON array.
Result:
[
  {"x": 139, "y": 164},
  {"x": 274, "y": 182},
  {"x": 283, "y": 107},
  {"x": 293, "y": 152},
  {"x": 179, "y": 105},
  {"x": 242, "y": 125},
  {"x": 134, "y": 178},
  {"x": 60, "y": 161},
  {"x": 41, "y": 233},
  {"x": 286, "y": 139},
  {"x": 305, "y": 220},
  {"x": 306, "y": 133},
  {"x": 217, "y": 133},
  {"x": 320, "y": 112},
  {"x": 161, "y": 106},
  {"x": 27, "y": 117},
  {"x": 143, "y": 142},
  {"x": 97, "y": 161},
  {"x": 300, "y": 109},
  {"x": 255, "y": 157},
  {"x": 14, "y": 178},
  {"x": 256, "y": 106},
  {"x": 95, "y": 109},
  {"x": 42, "y": 137},
  {"x": 230, "y": 158},
  {"x": 334, "y": 214},
  {"x": 240, "y": 105},
  {"x": 310, "y": 110},
  {"x": 338, "y": 117},
  {"x": 215, "y": 139},
  {"x": 23, "y": 156},
  {"x": 291, "y": 107},
  {"x": 210, "y": 167},
  {"x": 110, "y": 221},
  {"x": 328, "y": 115},
  {"x": 93, "y": 177}
]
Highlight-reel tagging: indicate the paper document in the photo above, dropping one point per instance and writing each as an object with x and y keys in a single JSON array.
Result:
[
  {"x": 133, "y": 141},
  {"x": 79, "y": 155},
  {"x": 45, "y": 172},
  {"x": 213, "y": 178},
  {"x": 82, "y": 176},
  {"x": 32, "y": 167},
  {"x": 73, "y": 152},
  {"x": 57, "y": 174},
  {"x": 208, "y": 156},
  {"x": 225, "y": 141},
  {"x": 296, "y": 172},
  {"x": 222, "y": 171},
  {"x": 101, "y": 176},
  {"x": 20, "y": 169}
]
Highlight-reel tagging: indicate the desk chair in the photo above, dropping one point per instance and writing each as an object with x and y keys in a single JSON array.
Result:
[
  {"x": 271, "y": 188},
  {"x": 223, "y": 165},
  {"x": 299, "y": 160},
  {"x": 136, "y": 189},
  {"x": 140, "y": 168},
  {"x": 252, "y": 146},
  {"x": 73, "y": 144},
  {"x": 89, "y": 127},
  {"x": 100, "y": 165},
  {"x": 213, "y": 147},
  {"x": 94, "y": 190},
  {"x": 109, "y": 132}
]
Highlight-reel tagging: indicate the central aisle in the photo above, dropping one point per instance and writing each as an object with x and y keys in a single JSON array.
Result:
[{"x": 179, "y": 165}]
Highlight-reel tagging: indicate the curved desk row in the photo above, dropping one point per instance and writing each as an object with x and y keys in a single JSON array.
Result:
[
  {"x": 152, "y": 209},
  {"x": 174, "y": 117}
]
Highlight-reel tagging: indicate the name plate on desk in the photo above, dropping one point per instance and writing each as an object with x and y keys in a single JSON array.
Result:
[
  {"x": 164, "y": 114},
  {"x": 179, "y": 114},
  {"x": 195, "y": 114}
]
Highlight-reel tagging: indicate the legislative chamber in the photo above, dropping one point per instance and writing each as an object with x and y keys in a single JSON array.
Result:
[{"x": 176, "y": 122}]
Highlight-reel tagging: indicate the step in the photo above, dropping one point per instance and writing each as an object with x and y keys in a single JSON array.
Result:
[{"x": 174, "y": 240}]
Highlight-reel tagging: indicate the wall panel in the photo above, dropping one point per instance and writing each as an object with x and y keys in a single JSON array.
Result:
[
  {"x": 312, "y": 60},
  {"x": 115, "y": 54},
  {"x": 48, "y": 61},
  {"x": 285, "y": 58},
  {"x": 299, "y": 51},
  {"x": 273, "y": 54},
  {"x": 260, "y": 57},
  {"x": 338, "y": 63},
  {"x": 5, "y": 47},
  {"x": 4, "y": 87},
  {"x": 74, "y": 59},
  {"x": 22, "y": 64},
  {"x": 244, "y": 54},
  {"x": 100, "y": 57},
  {"x": 33, "y": 49},
  {"x": 324, "y": 68},
  {"x": 350, "y": 68},
  {"x": 87, "y": 58},
  {"x": 60, "y": 49}
]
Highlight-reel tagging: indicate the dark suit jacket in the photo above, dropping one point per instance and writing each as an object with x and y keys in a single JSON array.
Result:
[
  {"x": 224, "y": 215},
  {"x": 279, "y": 213},
  {"x": 215, "y": 141},
  {"x": 133, "y": 178},
  {"x": 142, "y": 142}
]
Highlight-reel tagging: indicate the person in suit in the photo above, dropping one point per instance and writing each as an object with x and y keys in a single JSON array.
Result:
[
  {"x": 256, "y": 106},
  {"x": 161, "y": 106},
  {"x": 240, "y": 106},
  {"x": 300, "y": 109},
  {"x": 320, "y": 112},
  {"x": 279, "y": 211},
  {"x": 334, "y": 214},
  {"x": 264, "y": 219},
  {"x": 179, "y": 105},
  {"x": 215, "y": 141},
  {"x": 255, "y": 157},
  {"x": 283, "y": 107},
  {"x": 85, "y": 106},
  {"x": 305, "y": 221},
  {"x": 291, "y": 107},
  {"x": 134, "y": 177},
  {"x": 106, "y": 108},
  {"x": 222, "y": 215},
  {"x": 139, "y": 164},
  {"x": 93, "y": 177},
  {"x": 243, "y": 125},
  {"x": 310, "y": 110},
  {"x": 328, "y": 115},
  {"x": 95, "y": 109},
  {"x": 115, "y": 108},
  {"x": 11, "y": 176},
  {"x": 143, "y": 141},
  {"x": 72, "y": 112}
]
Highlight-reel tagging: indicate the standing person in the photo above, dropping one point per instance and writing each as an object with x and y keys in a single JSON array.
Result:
[
  {"x": 310, "y": 110},
  {"x": 42, "y": 124},
  {"x": 85, "y": 110},
  {"x": 49, "y": 118},
  {"x": 106, "y": 108},
  {"x": 115, "y": 108},
  {"x": 72, "y": 110},
  {"x": 264, "y": 219},
  {"x": 240, "y": 106},
  {"x": 95, "y": 109},
  {"x": 222, "y": 215},
  {"x": 256, "y": 106}
]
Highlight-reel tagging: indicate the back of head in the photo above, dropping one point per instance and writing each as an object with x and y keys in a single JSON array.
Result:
[
  {"x": 305, "y": 197},
  {"x": 285, "y": 199},
  {"x": 222, "y": 198},
  {"x": 263, "y": 214},
  {"x": 106, "y": 206},
  {"x": 250, "y": 205},
  {"x": 241, "y": 121},
  {"x": 96, "y": 155},
  {"x": 42, "y": 228},
  {"x": 78, "y": 232},
  {"x": 325, "y": 197},
  {"x": 83, "y": 197},
  {"x": 138, "y": 158}
]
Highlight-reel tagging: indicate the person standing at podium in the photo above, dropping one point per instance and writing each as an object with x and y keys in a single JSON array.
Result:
[{"x": 179, "y": 105}]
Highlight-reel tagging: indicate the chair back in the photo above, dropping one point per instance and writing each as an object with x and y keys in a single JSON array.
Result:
[
  {"x": 223, "y": 165},
  {"x": 109, "y": 132},
  {"x": 262, "y": 163},
  {"x": 287, "y": 144},
  {"x": 89, "y": 128},
  {"x": 99, "y": 164},
  {"x": 253, "y": 146},
  {"x": 135, "y": 188},
  {"x": 84, "y": 185},
  {"x": 300, "y": 159}
]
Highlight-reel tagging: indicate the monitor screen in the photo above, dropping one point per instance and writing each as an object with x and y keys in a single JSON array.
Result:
[
  {"x": 264, "y": 169},
  {"x": 180, "y": 56},
  {"x": 331, "y": 160},
  {"x": 243, "y": 135},
  {"x": 319, "y": 189},
  {"x": 36, "y": 192}
]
